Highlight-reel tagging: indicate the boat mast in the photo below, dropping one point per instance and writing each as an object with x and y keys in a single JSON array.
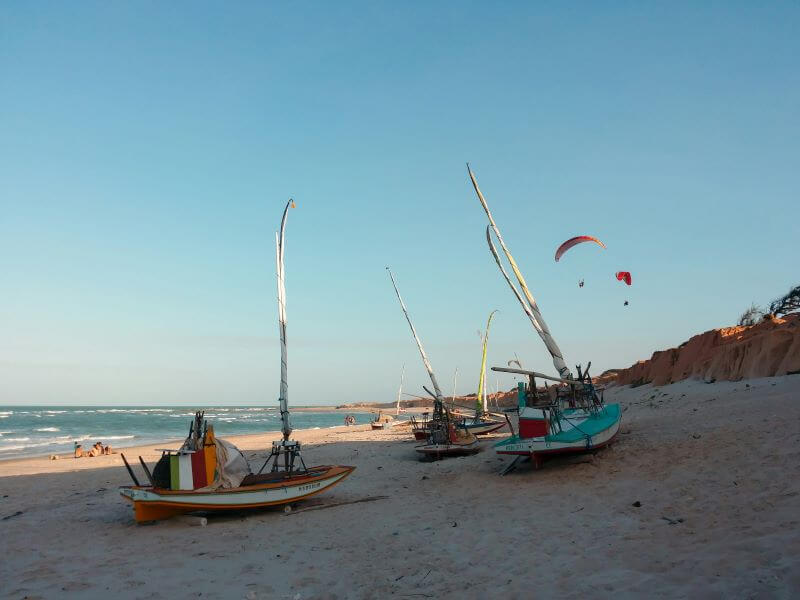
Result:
[
  {"x": 530, "y": 307},
  {"x": 400, "y": 391},
  {"x": 438, "y": 392},
  {"x": 283, "y": 398},
  {"x": 482, "y": 407},
  {"x": 453, "y": 397}
]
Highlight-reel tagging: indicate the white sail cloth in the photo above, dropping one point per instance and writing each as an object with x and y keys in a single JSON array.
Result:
[{"x": 232, "y": 467}]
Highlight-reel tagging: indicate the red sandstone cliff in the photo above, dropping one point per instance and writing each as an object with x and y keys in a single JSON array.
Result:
[{"x": 769, "y": 348}]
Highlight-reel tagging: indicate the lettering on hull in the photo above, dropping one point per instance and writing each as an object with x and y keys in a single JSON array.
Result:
[{"x": 309, "y": 486}]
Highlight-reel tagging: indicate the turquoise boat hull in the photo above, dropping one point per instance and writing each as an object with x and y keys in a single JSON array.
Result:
[{"x": 580, "y": 431}]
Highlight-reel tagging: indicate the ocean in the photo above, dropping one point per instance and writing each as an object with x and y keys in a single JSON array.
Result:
[{"x": 42, "y": 430}]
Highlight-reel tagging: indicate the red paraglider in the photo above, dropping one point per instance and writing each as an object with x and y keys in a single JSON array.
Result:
[
  {"x": 624, "y": 276},
  {"x": 574, "y": 242}
]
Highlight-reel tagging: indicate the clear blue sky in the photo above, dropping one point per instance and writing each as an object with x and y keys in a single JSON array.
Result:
[{"x": 147, "y": 150}]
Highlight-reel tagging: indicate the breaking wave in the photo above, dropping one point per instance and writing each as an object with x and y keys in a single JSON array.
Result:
[{"x": 42, "y": 430}]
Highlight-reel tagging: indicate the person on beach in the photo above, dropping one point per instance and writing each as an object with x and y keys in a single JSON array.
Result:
[{"x": 98, "y": 449}]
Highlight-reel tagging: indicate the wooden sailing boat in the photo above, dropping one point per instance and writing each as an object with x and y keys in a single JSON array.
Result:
[
  {"x": 381, "y": 421},
  {"x": 571, "y": 419},
  {"x": 445, "y": 436},
  {"x": 420, "y": 425},
  {"x": 288, "y": 481},
  {"x": 483, "y": 423}
]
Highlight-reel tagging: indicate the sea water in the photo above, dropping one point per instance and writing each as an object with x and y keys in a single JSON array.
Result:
[{"x": 37, "y": 430}]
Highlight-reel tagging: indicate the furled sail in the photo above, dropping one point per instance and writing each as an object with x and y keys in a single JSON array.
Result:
[
  {"x": 528, "y": 303},
  {"x": 400, "y": 390},
  {"x": 283, "y": 398},
  {"x": 419, "y": 343},
  {"x": 482, "y": 407}
]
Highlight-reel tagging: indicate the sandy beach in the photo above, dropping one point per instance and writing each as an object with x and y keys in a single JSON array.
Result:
[
  {"x": 568, "y": 227},
  {"x": 714, "y": 467}
]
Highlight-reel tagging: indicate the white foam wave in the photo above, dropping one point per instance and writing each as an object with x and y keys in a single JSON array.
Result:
[
  {"x": 134, "y": 410},
  {"x": 10, "y": 448},
  {"x": 65, "y": 439},
  {"x": 91, "y": 436},
  {"x": 52, "y": 443},
  {"x": 48, "y": 429}
]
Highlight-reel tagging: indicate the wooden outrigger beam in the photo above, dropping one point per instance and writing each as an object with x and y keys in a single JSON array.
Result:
[
  {"x": 463, "y": 406},
  {"x": 472, "y": 409},
  {"x": 539, "y": 375}
]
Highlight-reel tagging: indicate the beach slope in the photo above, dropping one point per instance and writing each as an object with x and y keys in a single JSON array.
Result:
[{"x": 699, "y": 497}]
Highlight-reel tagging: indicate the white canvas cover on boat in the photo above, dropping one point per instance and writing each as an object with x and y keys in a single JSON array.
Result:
[{"x": 232, "y": 466}]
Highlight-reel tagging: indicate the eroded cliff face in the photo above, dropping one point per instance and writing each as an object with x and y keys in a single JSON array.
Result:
[{"x": 769, "y": 348}]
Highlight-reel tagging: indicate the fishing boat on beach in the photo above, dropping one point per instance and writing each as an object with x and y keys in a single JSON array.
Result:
[
  {"x": 483, "y": 422},
  {"x": 572, "y": 417},
  {"x": 569, "y": 418},
  {"x": 420, "y": 426},
  {"x": 210, "y": 474},
  {"x": 444, "y": 433},
  {"x": 382, "y": 421}
]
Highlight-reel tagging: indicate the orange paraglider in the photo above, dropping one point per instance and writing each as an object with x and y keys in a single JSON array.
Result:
[{"x": 574, "y": 242}]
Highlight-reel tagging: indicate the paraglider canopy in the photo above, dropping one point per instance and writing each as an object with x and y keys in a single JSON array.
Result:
[
  {"x": 624, "y": 276},
  {"x": 574, "y": 242}
]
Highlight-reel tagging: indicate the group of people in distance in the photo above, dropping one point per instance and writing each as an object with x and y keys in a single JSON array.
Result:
[{"x": 96, "y": 450}]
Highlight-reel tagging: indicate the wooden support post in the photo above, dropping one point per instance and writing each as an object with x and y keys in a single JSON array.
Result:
[
  {"x": 130, "y": 471},
  {"x": 147, "y": 472}
]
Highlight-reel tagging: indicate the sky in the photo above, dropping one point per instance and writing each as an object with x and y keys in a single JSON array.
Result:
[{"x": 147, "y": 151}]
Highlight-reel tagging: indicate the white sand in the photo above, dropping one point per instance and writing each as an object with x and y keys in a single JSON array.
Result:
[{"x": 721, "y": 461}]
